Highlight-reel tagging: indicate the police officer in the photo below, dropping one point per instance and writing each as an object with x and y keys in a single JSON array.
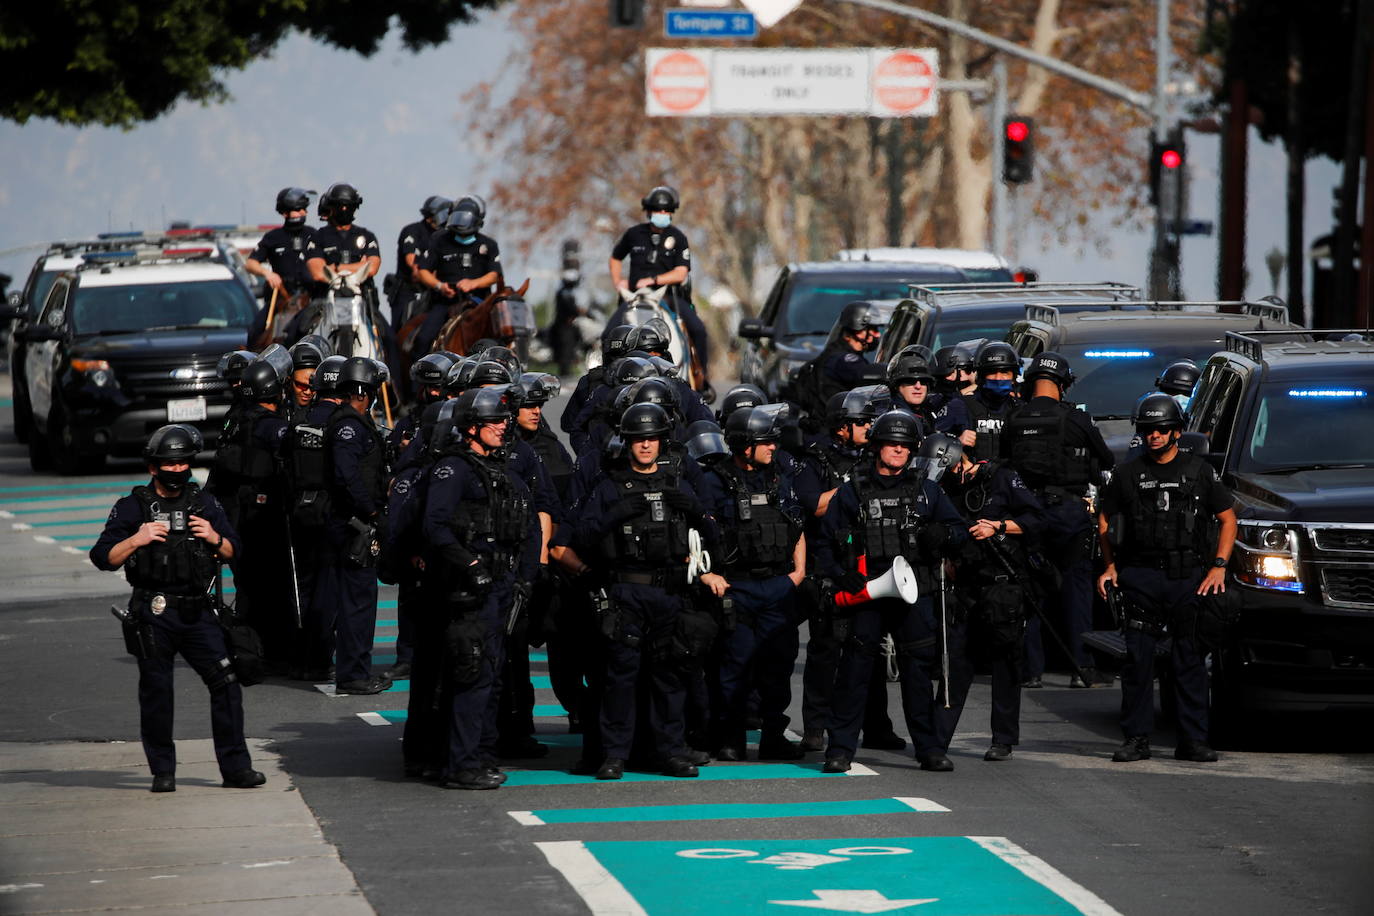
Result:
[
  {"x": 462, "y": 267},
  {"x": 842, "y": 364},
  {"x": 223, "y": 480},
  {"x": 355, "y": 475},
  {"x": 885, "y": 511},
  {"x": 986, "y": 616},
  {"x": 1160, "y": 551},
  {"x": 653, "y": 338},
  {"x": 427, "y": 377},
  {"x": 170, "y": 537},
  {"x": 306, "y": 356},
  {"x": 411, "y": 245},
  {"x": 612, "y": 348},
  {"x": 569, "y": 304},
  {"x": 279, "y": 258},
  {"x": 660, "y": 257},
  {"x": 954, "y": 373},
  {"x": 912, "y": 382},
  {"x": 1177, "y": 380},
  {"x": 634, "y": 526},
  {"x": 483, "y": 540},
  {"x": 763, "y": 558},
  {"x": 342, "y": 245},
  {"x": 1059, "y": 453},
  {"x": 991, "y": 401}
]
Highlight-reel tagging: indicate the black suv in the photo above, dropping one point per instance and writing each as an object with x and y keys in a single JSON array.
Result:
[
  {"x": 124, "y": 344},
  {"x": 1290, "y": 423},
  {"x": 1117, "y": 354},
  {"x": 801, "y": 309}
]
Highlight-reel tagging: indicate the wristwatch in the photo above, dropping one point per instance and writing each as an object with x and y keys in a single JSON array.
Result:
[{"x": 1219, "y": 562}]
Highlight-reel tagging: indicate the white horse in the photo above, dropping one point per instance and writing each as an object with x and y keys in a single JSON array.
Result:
[
  {"x": 347, "y": 319},
  {"x": 646, "y": 305}
]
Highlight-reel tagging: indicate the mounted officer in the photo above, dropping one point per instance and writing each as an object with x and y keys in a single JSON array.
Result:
[
  {"x": 462, "y": 266},
  {"x": 411, "y": 244},
  {"x": 279, "y": 257}
]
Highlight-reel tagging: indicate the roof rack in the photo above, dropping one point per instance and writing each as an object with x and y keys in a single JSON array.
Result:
[
  {"x": 1250, "y": 344},
  {"x": 1270, "y": 307},
  {"x": 929, "y": 292},
  {"x": 143, "y": 256}
]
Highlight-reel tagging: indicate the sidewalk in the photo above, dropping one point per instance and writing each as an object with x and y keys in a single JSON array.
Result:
[{"x": 80, "y": 832}]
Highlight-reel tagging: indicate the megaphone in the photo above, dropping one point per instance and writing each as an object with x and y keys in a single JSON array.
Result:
[{"x": 897, "y": 582}]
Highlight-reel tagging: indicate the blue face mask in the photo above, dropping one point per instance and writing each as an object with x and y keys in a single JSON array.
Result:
[
  {"x": 998, "y": 387},
  {"x": 660, "y": 220},
  {"x": 465, "y": 239},
  {"x": 1183, "y": 400}
]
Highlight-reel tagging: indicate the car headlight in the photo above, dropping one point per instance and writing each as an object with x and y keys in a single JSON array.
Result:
[
  {"x": 1267, "y": 557},
  {"x": 98, "y": 371}
]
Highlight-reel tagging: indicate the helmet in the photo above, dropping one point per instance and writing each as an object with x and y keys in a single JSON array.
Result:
[
  {"x": 996, "y": 356},
  {"x": 260, "y": 381},
  {"x": 473, "y": 202},
  {"x": 948, "y": 359},
  {"x": 1158, "y": 411},
  {"x": 327, "y": 374},
  {"x": 174, "y": 442},
  {"x": 858, "y": 316},
  {"x": 436, "y": 423},
  {"x": 464, "y": 219},
  {"x": 652, "y": 337},
  {"x": 306, "y": 354},
  {"x": 910, "y": 365},
  {"x": 643, "y": 421},
  {"x": 664, "y": 368},
  {"x": 614, "y": 344},
  {"x": 232, "y": 364},
  {"x": 435, "y": 205},
  {"x": 706, "y": 443},
  {"x": 289, "y": 199},
  {"x": 489, "y": 372},
  {"x": 506, "y": 357},
  {"x": 895, "y": 426},
  {"x": 538, "y": 387},
  {"x": 460, "y": 376},
  {"x": 848, "y": 407},
  {"x": 430, "y": 370},
  {"x": 342, "y": 195},
  {"x": 878, "y": 397},
  {"x": 1179, "y": 377},
  {"x": 279, "y": 358},
  {"x": 654, "y": 390},
  {"x": 1052, "y": 366},
  {"x": 660, "y": 198},
  {"x": 740, "y": 396},
  {"x": 745, "y": 428},
  {"x": 937, "y": 454},
  {"x": 480, "y": 405},
  {"x": 360, "y": 375},
  {"x": 630, "y": 369}
]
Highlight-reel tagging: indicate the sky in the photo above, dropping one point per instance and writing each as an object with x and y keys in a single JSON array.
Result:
[{"x": 391, "y": 125}]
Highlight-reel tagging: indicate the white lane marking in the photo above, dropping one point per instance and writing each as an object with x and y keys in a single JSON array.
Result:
[
  {"x": 160, "y": 877},
  {"x": 328, "y": 690},
  {"x": 5, "y": 513},
  {"x": 76, "y": 550},
  {"x": 849, "y": 901},
  {"x": 373, "y": 718},
  {"x": 858, "y": 769},
  {"x": 44, "y": 539},
  {"x": 12, "y": 888},
  {"x": 921, "y": 804},
  {"x": 1037, "y": 869},
  {"x": 598, "y": 888},
  {"x": 20, "y": 526},
  {"x": 266, "y": 864},
  {"x": 527, "y": 818}
]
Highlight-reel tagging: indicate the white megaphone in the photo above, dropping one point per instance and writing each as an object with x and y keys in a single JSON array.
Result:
[{"x": 897, "y": 582}]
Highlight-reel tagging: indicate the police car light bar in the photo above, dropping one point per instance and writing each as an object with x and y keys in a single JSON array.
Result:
[
  {"x": 1326, "y": 393},
  {"x": 1117, "y": 354}
]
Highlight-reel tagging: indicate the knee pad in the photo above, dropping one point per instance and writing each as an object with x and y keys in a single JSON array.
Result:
[{"x": 220, "y": 676}]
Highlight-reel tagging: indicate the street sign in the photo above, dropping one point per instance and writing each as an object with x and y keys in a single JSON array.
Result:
[
  {"x": 877, "y": 82},
  {"x": 709, "y": 24},
  {"x": 1191, "y": 227},
  {"x": 770, "y": 11}
]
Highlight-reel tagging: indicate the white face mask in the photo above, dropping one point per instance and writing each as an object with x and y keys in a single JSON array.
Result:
[{"x": 660, "y": 220}]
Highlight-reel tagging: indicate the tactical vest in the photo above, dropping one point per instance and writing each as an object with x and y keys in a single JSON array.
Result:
[
  {"x": 246, "y": 459},
  {"x": 889, "y": 518},
  {"x": 1165, "y": 526},
  {"x": 1038, "y": 438},
  {"x": 182, "y": 564},
  {"x": 560, "y": 471},
  {"x": 761, "y": 540},
  {"x": 656, "y": 536},
  {"x": 988, "y": 424},
  {"x": 371, "y": 469},
  {"x": 229, "y": 457},
  {"x": 308, "y": 463},
  {"x": 500, "y": 520},
  {"x": 972, "y": 498},
  {"x": 836, "y": 467}
]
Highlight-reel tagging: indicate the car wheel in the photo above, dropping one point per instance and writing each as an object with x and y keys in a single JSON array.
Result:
[
  {"x": 66, "y": 459},
  {"x": 40, "y": 458},
  {"x": 23, "y": 414}
]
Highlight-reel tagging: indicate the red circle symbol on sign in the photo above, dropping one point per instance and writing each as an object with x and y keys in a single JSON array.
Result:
[
  {"x": 679, "y": 81},
  {"x": 903, "y": 82}
]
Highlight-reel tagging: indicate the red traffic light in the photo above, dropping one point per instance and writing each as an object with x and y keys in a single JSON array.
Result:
[
  {"x": 1017, "y": 131},
  {"x": 1171, "y": 158}
]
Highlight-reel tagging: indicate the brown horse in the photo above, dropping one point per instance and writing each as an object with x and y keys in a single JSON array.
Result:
[
  {"x": 280, "y": 311},
  {"x": 503, "y": 316}
]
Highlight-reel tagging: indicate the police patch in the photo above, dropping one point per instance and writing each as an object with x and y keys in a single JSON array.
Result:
[
  {"x": 482, "y": 249},
  {"x": 402, "y": 487},
  {"x": 360, "y": 241},
  {"x": 686, "y": 254},
  {"x": 443, "y": 472},
  {"x": 346, "y": 433},
  {"x": 670, "y": 243}
]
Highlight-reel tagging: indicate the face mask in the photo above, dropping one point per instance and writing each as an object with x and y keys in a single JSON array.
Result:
[
  {"x": 341, "y": 218},
  {"x": 465, "y": 239},
  {"x": 998, "y": 387},
  {"x": 172, "y": 480},
  {"x": 294, "y": 222},
  {"x": 660, "y": 220},
  {"x": 1182, "y": 400}
]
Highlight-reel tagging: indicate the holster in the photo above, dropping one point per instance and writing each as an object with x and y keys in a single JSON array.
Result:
[
  {"x": 693, "y": 635},
  {"x": 363, "y": 547},
  {"x": 138, "y": 635},
  {"x": 465, "y": 642},
  {"x": 611, "y": 619}
]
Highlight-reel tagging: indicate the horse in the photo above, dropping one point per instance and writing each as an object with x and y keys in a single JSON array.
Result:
[
  {"x": 645, "y": 305},
  {"x": 281, "y": 311},
  {"x": 503, "y": 316},
  {"x": 349, "y": 319}
]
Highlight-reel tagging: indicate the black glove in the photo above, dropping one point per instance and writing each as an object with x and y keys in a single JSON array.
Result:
[
  {"x": 933, "y": 537},
  {"x": 476, "y": 575},
  {"x": 680, "y": 502},
  {"x": 851, "y": 581},
  {"x": 626, "y": 509}
]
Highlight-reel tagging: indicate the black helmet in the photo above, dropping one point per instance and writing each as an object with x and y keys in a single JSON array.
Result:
[
  {"x": 460, "y": 376},
  {"x": 655, "y": 390},
  {"x": 706, "y": 443},
  {"x": 849, "y": 407},
  {"x": 1179, "y": 377},
  {"x": 1052, "y": 366},
  {"x": 232, "y": 364},
  {"x": 660, "y": 198},
  {"x": 745, "y": 428},
  {"x": 342, "y": 195},
  {"x": 473, "y": 202},
  {"x": 260, "y": 382},
  {"x": 327, "y": 375},
  {"x": 948, "y": 359},
  {"x": 630, "y": 369},
  {"x": 895, "y": 426},
  {"x": 652, "y": 337},
  {"x": 740, "y": 396},
  {"x": 937, "y": 454},
  {"x": 506, "y": 357},
  {"x": 289, "y": 199},
  {"x": 1158, "y": 411},
  {"x": 174, "y": 442},
  {"x": 430, "y": 370},
  {"x": 996, "y": 356},
  {"x": 434, "y": 205},
  {"x": 644, "y": 421},
  {"x": 306, "y": 354},
  {"x": 464, "y": 219},
  {"x": 437, "y": 426},
  {"x": 879, "y": 397},
  {"x": 489, "y": 372},
  {"x": 859, "y": 316},
  {"x": 910, "y": 365},
  {"x": 614, "y": 345},
  {"x": 538, "y": 388},
  {"x": 481, "y": 405},
  {"x": 664, "y": 368},
  {"x": 360, "y": 375}
]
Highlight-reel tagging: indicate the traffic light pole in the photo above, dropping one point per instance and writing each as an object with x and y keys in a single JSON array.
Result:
[{"x": 999, "y": 141}]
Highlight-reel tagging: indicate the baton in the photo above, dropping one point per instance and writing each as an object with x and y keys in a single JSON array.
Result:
[
  {"x": 295, "y": 582},
  {"x": 995, "y": 545},
  {"x": 944, "y": 634}
]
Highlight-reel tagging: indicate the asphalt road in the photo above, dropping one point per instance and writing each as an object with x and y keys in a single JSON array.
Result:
[{"x": 1284, "y": 826}]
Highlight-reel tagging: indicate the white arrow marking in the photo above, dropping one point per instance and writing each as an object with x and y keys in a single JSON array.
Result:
[{"x": 855, "y": 902}]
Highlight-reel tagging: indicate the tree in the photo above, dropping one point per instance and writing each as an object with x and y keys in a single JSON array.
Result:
[{"x": 118, "y": 62}]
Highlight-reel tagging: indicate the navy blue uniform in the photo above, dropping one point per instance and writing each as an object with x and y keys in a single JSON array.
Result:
[
  {"x": 283, "y": 250},
  {"x": 342, "y": 246},
  {"x": 170, "y": 605},
  {"x": 653, "y": 252},
  {"x": 913, "y": 626},
  {"x": 450, "y": 260},
  {"x": 986, "y": 415},
  {"x": 412, "y": 240}
]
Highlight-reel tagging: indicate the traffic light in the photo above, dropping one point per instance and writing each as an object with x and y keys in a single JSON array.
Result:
[
  {"x": 1167, "y": 159},
  {"x": 627, "y": 14},
  {"x": 1018, "y": 149},
  {"x": 572, "y": 254}
]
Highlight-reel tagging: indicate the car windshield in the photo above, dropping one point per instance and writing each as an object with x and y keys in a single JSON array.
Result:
[
  {"x": 1111, "y": 377},
  {"x": 813, "y": 303},
  {"x": 992, "y": 323},
  {"x": 1327, "y": 422},
  {"x": 158, "y": 306}
]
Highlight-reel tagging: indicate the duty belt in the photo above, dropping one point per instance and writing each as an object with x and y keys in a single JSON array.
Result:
[
  {"x": 158, "y": 602},
  {"x": 656, "y": 577},
  {"x": 758, "y": 572}
]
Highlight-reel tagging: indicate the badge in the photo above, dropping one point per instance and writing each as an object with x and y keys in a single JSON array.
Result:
[
  {"x": 670, "y": 243},
  {"x": 360, "y": 241},
  {"x": 158, "y": 604},
  {"x": 482, "y": 249},
  {"x": 686, "y": 254}
]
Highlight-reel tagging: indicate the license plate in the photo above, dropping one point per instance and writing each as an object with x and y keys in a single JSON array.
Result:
[{"x": 189, "y": 409}]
